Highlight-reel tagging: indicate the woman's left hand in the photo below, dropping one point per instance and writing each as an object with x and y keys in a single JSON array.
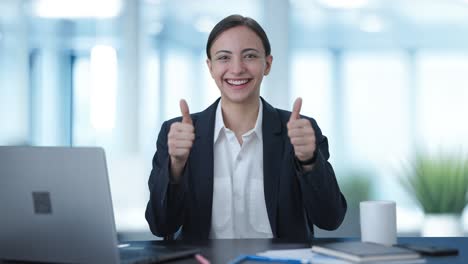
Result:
[{"x": 301, "y": 134}]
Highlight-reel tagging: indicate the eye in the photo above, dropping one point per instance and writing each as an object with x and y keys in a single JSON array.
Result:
[
  {"x": 222, "y": 58},
  {"x": 250, "y": 56}
]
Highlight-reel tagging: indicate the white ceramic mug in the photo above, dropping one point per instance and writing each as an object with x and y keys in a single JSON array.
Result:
[{"x": 378, "y": 222}]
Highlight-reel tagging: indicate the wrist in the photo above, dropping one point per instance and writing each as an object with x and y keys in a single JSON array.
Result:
[
  {"x": 176, "y": 169},
  {"x": 308, "y": 162}
]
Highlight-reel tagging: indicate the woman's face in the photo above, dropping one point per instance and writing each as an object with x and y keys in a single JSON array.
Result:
[{"x": 238, "y": 64}]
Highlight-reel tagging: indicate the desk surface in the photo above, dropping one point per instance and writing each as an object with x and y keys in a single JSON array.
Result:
[
  {"x": 221, "y": 251},
  {"x": 225, "y": 250}
]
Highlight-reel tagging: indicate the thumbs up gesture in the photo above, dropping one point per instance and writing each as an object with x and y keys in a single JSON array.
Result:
[
  {"x": 301, "y": 133},
  {"x": 180, "y": 141}
]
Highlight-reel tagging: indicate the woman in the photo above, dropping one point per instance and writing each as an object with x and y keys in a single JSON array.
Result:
[{"x": 241, "y": 168}]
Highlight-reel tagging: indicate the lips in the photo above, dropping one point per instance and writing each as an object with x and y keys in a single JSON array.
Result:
[{"x": 237, "y": 82}]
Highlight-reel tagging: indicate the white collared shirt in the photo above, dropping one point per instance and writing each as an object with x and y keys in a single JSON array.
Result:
[{"x": 239, "y": 208}]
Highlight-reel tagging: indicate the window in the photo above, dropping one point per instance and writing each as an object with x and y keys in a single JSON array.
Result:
[
  {"x": 311, "y": 80},
  {"x": 180, "y": 81},
  {"x": 94, "y": 90},
  {"x": 377, "y": 107},
  {"x": 442, "y": 101},
  {"x": 377, "y": 115}
]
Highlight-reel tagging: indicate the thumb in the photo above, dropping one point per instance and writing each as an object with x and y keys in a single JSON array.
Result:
[
  {"x": 296, "y": 109},
  {"x": 186, "y": 119}
]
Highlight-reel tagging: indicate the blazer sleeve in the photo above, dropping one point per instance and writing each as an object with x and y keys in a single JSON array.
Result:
[
  {"x": 165, "y": 209},
  {"x": 324, "y": 204}
]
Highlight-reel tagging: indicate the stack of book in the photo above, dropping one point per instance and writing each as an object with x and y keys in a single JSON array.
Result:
[{"x": 357, "y": 251}]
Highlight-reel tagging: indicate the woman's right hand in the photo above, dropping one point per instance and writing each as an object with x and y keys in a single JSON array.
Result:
[{"x": 180, "y": 140}]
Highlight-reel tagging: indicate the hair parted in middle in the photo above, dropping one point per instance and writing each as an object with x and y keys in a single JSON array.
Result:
[{"x": 234, "y": 21}]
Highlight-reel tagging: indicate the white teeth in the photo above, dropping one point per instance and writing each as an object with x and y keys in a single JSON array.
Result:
[{"x": 237, "y": 82}]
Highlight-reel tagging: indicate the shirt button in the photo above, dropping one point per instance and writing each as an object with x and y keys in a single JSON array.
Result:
[{"x": 239, "y": 158}]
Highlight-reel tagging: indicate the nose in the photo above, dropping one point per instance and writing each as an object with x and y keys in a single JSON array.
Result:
[{"x": 237, "y": 66}]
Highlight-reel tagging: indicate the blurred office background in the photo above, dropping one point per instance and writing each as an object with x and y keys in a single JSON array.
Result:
[{"x": 382, "y": 78}]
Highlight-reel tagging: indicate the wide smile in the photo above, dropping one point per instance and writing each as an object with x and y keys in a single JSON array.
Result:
[{"x": 237, "y": 83}]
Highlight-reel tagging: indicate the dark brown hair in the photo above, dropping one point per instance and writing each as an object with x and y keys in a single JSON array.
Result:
[{"x": 234, "y": 21}]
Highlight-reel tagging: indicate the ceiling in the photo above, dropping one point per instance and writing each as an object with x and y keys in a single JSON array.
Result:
[
  {"x": 387, "y": 20},
  {"x": 312, "y": 13}
]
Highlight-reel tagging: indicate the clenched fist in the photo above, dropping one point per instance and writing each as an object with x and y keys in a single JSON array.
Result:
[
  {"x": 301, "y": 134},
  {"x": 180, "y": 141}
]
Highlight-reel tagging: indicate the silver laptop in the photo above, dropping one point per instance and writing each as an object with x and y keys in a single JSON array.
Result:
[{"x": 55, "y": 206}]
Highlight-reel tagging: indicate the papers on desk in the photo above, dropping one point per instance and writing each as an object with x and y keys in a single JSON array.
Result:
[{"x": 307, "y": 256}]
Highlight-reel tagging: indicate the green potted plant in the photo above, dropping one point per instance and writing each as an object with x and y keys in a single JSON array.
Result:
[{"x": 439, "y": 184}]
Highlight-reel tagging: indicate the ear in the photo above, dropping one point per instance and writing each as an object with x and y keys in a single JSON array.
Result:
[
  {"x": 268, "y": 63},
  {"x": 208, "y": 63}
]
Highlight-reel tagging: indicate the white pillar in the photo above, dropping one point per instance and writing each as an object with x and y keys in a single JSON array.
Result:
[
  {"x": 128, "y": 93},
  {"x": 14, "y": 76},
  {"x": 51, "y": 99},
  {"x": 51, "y": 91},
  {"x": 276, "y": 86}
]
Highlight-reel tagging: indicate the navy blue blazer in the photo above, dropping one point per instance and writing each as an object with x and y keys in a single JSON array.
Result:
[{"x": 295, "y": 200}]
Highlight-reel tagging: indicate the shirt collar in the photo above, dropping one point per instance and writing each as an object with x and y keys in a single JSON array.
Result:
[{"x": 219, "y": 122}]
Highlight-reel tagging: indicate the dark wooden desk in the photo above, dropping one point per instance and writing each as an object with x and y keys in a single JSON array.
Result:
[
  {"x": 225, "y": 250},
  {"x": 222, "y": 251}
]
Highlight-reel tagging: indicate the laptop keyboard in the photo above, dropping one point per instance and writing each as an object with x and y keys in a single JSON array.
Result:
[{"x": 144, "y": 255}]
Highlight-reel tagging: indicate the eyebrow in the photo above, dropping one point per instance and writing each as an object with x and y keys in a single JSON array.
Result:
[
  {"x": 251, "y": 49},
  {"x": 243, "y": 51},
  {"x": 223, "y": 51}
]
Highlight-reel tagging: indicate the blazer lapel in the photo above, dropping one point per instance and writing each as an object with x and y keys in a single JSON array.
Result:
[
  {"x": 201, "y": 163},
  {"x": 272, "y": 153}
]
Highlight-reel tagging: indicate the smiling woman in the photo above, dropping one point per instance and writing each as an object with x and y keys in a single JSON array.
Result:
[
  {"x": 217, "y": 173},
  {"x": 238, "y": 63}
]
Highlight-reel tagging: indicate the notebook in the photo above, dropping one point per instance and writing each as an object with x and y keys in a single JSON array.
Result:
[
  {"x": 364, "y": 252},
  {"x": 56, "y": 206}
]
